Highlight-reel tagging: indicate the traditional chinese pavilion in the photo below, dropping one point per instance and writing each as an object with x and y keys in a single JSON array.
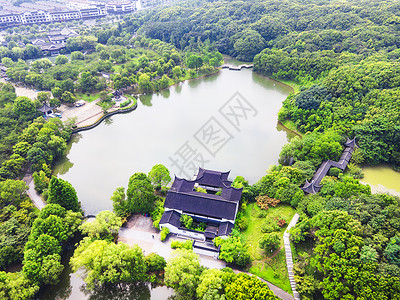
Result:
[
  {"x": 45, "y": 110},
  {"x": 217, "y": 208}
]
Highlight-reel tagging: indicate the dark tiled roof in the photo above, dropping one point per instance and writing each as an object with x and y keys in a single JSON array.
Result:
[
  {"x": 351, "y": 143},
  {"x": 171, "y": 217},
  {"x": 225, "y": 228},
  {"x": 313, "y": 187},
  {"x": 182, "y": 185},
  {"x": 45, "y": 108},
  {"x": 213, "y": 178},
  {"x": 202, "y": 204}
]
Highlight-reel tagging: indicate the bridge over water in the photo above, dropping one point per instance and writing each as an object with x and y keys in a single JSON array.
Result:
[{"x": 314, "y": 186}]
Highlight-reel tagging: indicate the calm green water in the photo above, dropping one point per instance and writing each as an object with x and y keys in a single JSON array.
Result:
[
  {"x": 382, "y": 178},
  {"x": 196, "y": 123}
]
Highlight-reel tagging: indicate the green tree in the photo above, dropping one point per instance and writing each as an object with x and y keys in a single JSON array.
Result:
[
  {"x": 159, "y": 176},
  {"x": 61, "y": 192},
  {"x": 77, "y": 55},
  {"x": 104, "y": 227},
  {"x": 120, "y": 203},
  {"x": 194, "y": 61},
  {"x": 24, "y": 106},
  {"x": 211, "y": 285},
  {"x": 249, "y": 43},
  {"x": 87, "y": 82},
  {"x": 269, "y": 241},
  {"x": 182, "y": 272},
  {"x": 140, "y": 194},
  {"x": 104, "y": 262},
  {"x": 104, "y": 55},
  {"x": 246, "y": 287},
  {"x": 155, "y": 262},
  {"x": 61, "y": 60},
  {"x": 233, "y": 250},
  {"x": 392, "y": 251},
  {"x": 43, "y": 97},
  {"x": 144, "y": 83},
  {"x": 41, "y": 181},
  {"x": 68, "y": 97}
]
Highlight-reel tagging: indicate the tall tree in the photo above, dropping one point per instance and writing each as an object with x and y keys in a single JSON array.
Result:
[
  {"x": 159, "y": 176},
  {"x": 61, "y": 192},
  {"x": 105, "y": 262},
  {"x": 182, "y": 272}
]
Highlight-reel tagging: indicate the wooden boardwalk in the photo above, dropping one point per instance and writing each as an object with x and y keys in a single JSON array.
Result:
[{"x": 289, "y": 257}]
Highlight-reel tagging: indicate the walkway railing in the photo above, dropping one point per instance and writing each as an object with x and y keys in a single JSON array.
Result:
[
  {"x": 119, "y": 111},
  {"x": 289, "y": 257}
]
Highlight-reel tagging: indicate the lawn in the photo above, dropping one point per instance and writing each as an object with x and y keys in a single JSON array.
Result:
[
  {"x": 86, "y": 97},
  {"x": 271, "y": 269}
]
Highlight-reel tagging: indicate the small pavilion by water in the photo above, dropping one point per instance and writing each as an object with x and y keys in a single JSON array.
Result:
[{"x": 45, "y": 110}]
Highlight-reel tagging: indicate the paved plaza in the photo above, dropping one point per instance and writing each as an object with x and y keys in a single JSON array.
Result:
[{"x": 139, "y": 230}]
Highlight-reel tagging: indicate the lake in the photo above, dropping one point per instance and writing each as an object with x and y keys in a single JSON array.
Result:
[
  {"x": 226, "y": 121},
  {"x": 382, "y": 179}
]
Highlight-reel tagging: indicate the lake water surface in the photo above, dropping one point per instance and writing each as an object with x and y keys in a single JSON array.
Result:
[
  {"x": 227, "y": 121},
  {"x": 382, "y": 179}
]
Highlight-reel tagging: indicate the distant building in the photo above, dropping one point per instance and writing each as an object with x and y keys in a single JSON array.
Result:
[
  {"x": 120, "y": 7},
  {"x": 10, "y": 19},
  {"x": 217, "y": 208},
  {"x": 33, "y": 17},
  {"x": 93, "y": 12},
  {"x": 65, "y": 15}
]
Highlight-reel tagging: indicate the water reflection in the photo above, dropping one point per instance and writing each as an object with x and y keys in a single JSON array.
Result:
[
  {"x": 178, "y": 88},
  {"x": 146, "y": 99},
  {"x": 289, "y": 134},
  {"x": 108, "y": 121},
  {"x": 269, "y": 83},
  {"x": 165, "y": 93}
]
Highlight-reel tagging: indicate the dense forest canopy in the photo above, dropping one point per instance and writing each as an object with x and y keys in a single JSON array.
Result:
[{"x": 348, "y": 49}]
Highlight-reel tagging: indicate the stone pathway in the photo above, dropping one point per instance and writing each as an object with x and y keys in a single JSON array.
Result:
[
  {"x": 35, "y": 197},
  {"x": 289, "y": 257}
]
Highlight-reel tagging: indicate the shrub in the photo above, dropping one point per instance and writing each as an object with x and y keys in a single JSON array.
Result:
[
  {"x": 125, "y": 103},
  {"x": 188, "y": 244},
  {"x": 264, "y": 202},
  {"x": 186, "y": 221},
  {"x": 164, "y": 233},
  {"x": 261, "y": 214},
  {"x": 268, "y": 227},
  {"x": 269, "y": 241},
  {"x": 243, "y": 222},
  {"x": 155, "y": 262},
  {"x": 334, "y": 172},
  {"x": 281, "y": 223}
]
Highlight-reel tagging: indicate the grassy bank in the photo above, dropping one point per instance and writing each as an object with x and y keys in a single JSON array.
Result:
[{"x": 269, "y": 266}]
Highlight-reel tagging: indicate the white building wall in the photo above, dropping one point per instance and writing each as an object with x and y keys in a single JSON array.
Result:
[
  {"x": 205, "y": 252},
  {"x": 172, "y": 229}
]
